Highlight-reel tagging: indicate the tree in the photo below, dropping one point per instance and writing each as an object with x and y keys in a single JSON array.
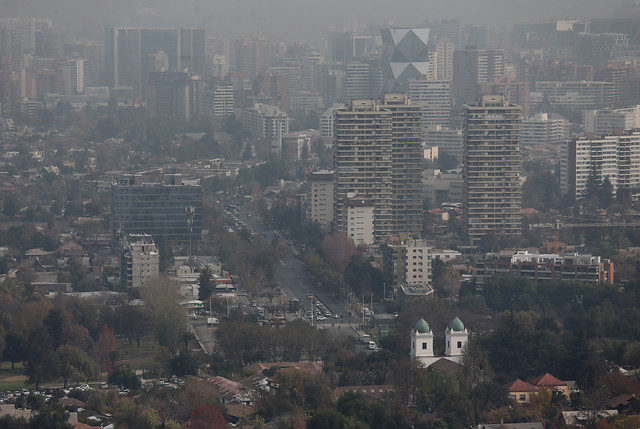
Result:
[
  {"x": 170, "y": 324},
  {"x": 41, "y": 361},
  {"x": 337, "y": 250},
  {"x": 605, "y": 195},
  {"x": 14, "y": 350},
  {"x": 11, "y": 206},
  {"x": 205, "y": 284},
  {"x": 327, "y": 419},
  {"x": 75, "y": 364},
  {"x": 107, "y": 346},
  {"x": 207, "y": 417},
  {"x": 124, "y": 376}
]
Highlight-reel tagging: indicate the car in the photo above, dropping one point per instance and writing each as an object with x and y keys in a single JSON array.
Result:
[{"x": 372, "y": 345}]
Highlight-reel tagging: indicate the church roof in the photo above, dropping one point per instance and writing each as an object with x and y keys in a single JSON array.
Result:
[
  {"x": 422, "y": 327},
  {"x": 456, "y": 325}
]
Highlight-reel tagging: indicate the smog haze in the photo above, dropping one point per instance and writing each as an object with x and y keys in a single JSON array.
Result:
[{"x": 294, "y": 19}]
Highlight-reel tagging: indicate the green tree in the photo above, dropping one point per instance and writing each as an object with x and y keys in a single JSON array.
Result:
[
  {"x": 75, "y": 364},
  {"x": 170, "y": 324},
  {"x": 10, "y": 206},
  {"x": 205, "y": 284},
  {"x": 124, "y": 376}
]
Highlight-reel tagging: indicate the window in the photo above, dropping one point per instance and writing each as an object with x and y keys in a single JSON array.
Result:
[
  {"x": 459, "y": 344},
  {"x": 424, "y": 346},
  {"x": 522, "y": 397}
]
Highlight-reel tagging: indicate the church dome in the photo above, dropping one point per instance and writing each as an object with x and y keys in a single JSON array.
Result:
[
  {"x": 422, "y": 327},
  {"x": 456, "y": 325}
]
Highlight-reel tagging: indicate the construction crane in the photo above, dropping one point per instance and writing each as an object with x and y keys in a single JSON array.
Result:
[{"x": 559, "y": 224}]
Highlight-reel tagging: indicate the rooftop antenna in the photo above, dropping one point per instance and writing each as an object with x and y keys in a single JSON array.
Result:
[{"x": 190, "y": 212}]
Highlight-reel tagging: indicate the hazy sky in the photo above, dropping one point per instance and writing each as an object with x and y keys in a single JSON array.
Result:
[{"x": 293, "y": 19}]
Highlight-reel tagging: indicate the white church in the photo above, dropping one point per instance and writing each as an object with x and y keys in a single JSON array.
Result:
[{"x": 456, "y": 338}]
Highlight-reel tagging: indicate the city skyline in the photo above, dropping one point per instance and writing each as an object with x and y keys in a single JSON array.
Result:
[{"x": 287, "y": 20}]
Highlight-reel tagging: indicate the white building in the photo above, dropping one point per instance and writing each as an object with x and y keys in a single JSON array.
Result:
[
  {"x": 327, "y": 120},
  {"x": 545, "y": 128},
  {"x": 321, "y": 199},
  {"x": 360, "y": 217},
  {"x": 456, "y": 339},
  {"x": 73, "y": 76},
  {"x": 139, "y": 260},
  {"x": 435, "y": 98},
  {"x": 418, "y": 262},
  {"x": 616, "y": 157},
  {"x": 264, "y": 121},
  {"x": 611, "y": 121}
]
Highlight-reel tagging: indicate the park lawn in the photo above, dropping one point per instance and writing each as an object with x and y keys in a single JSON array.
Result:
[
  {"x": 11, "y": 380},
  {"x": 137, "y": 357}
]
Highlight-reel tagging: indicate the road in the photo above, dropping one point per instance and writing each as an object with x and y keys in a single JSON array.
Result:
[{"x": 295, "y": 281}]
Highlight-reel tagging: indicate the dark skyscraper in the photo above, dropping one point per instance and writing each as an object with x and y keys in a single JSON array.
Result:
[{"x": 127, "y": 51}]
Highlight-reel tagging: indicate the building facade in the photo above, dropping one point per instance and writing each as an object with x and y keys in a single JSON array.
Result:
[
  {"x": 611, "y": 121},
  {"x": 545, "y": 267},
  {"x": 545, "y": 128},
  {"x": 435, "y": 98},
  {"x": 157, "y": 209},
  {"x": 405, "y": 56},
  {"x": 139, "y": 260},
  {"x": 172, "y": 94},
  {"x": 615, "y": 157},
  {"x": 360, "y": 220},
  {"x": 407, "y": 261},
  {"x": 471, "y": 68},
  {"x": 378, "y": 155},
  {"x": 422, "y": 347},
  {"x": 492, "y": 166},
  {"x": 264, "y": 121},
  {"x": 127, "y": 50},
  {"x": 321, "y": 198}
]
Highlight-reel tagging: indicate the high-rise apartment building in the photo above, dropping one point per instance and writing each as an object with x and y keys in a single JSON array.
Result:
[
  {"x": 611, "y": 121},
  {"x": 264, "y": 121},
  {"x": 93, "y": 52},
  {"x": 473, "y": 67},
  {"x": 253, "y": 55},
  {"x": 407, "y": 261},
  {"x": 615, "y": 157},
  {"x": 434, "y": 96},
  {"x": 217, "y": 100},
  {"x": 321, "y": 198},
  {"x": 492, "y": 164},
  {"x": 444, "y": 60},
  {"x": 139, "y": 260},
  {"x": 545, "y": 128},
  {"x": 172, "y": 94},
  {"x": 73, "y": 76},
  {"x": 378, "y": 155},
  {"x": 127, "y": 50}
]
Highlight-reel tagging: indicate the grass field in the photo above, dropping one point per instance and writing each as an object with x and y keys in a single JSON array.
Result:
[
  {"x": 136, "y": 358},
  {"x": 11, "y": 380}
]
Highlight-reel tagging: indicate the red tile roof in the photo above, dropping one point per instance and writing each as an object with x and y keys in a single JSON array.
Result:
[
  {"x": 521, "y": 386},
  {"x": 547, "y": 380}
]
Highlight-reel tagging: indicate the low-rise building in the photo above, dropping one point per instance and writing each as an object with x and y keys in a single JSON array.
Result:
[{"x": 545, "y": 267}]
